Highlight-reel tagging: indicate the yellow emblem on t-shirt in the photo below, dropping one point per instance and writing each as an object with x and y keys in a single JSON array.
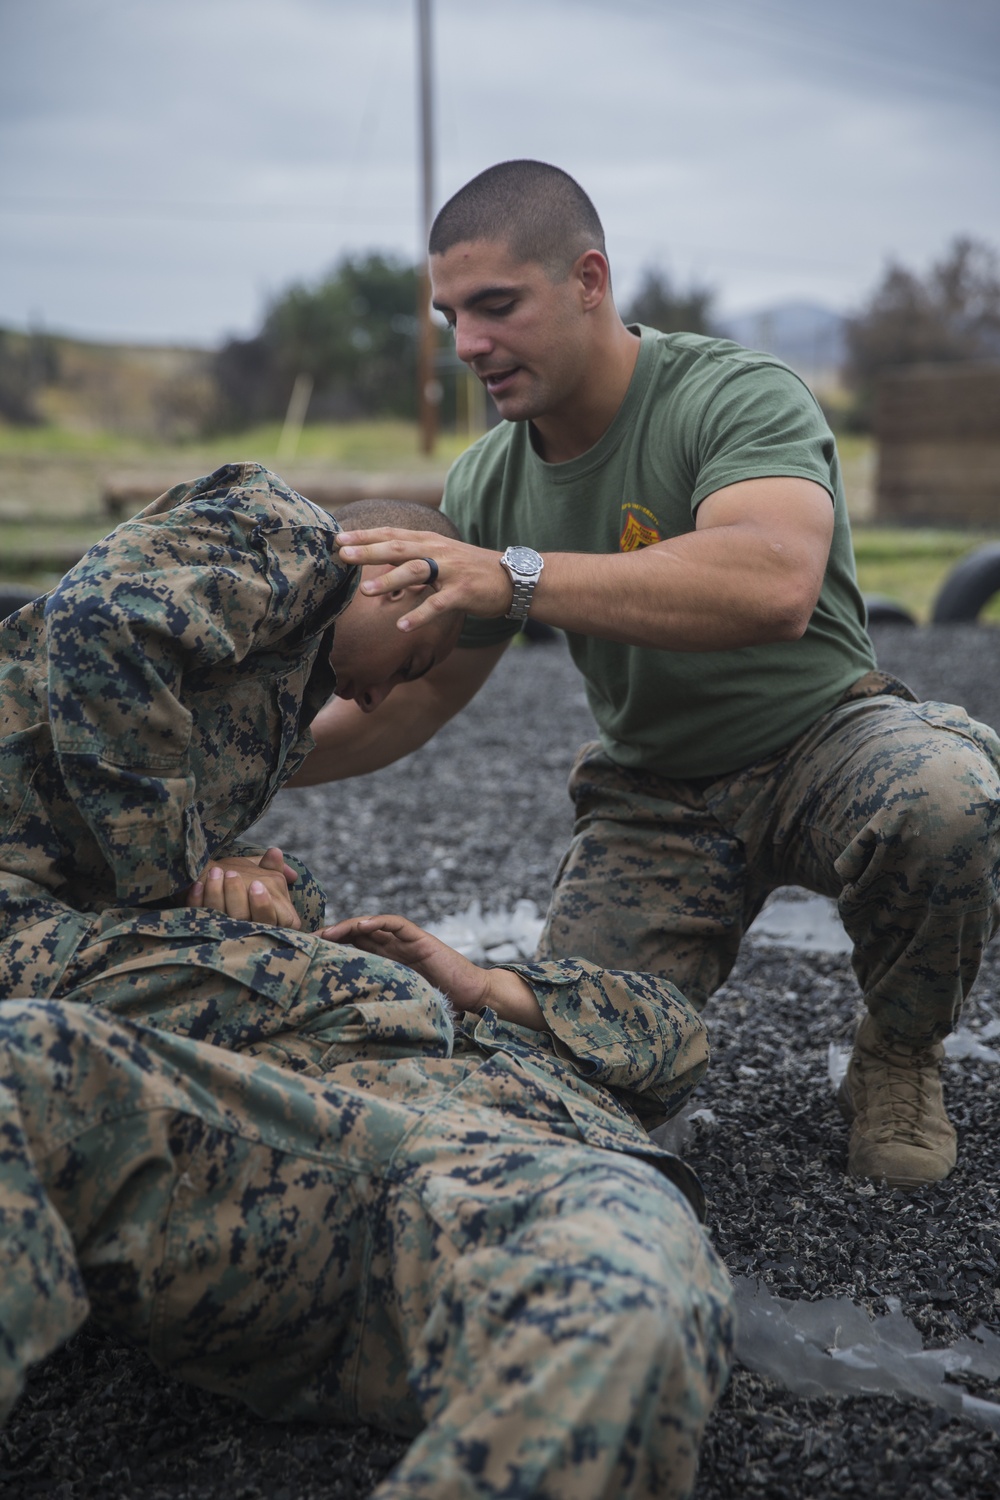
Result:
[{"x": 635, "y": 533}]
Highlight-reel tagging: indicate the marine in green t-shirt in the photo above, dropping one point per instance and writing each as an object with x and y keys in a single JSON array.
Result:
[
  {"x": 699, "y": 414},
  {"x": 674, "y": 504}
]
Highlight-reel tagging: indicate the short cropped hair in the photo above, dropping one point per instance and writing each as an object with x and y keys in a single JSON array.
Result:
[
  {"x": 539, "y": 212},
  {"x": 407, "y": 515}
]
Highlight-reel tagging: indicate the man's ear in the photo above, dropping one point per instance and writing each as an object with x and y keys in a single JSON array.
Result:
[
  {"x": 375, "y": 570},
  {"x": 593, "y": 278}
]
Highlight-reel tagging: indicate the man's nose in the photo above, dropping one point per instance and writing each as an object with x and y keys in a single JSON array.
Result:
[{"x": 471, "y": 340}]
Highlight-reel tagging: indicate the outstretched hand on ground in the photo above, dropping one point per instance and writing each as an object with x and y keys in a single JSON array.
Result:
[{"x": 467, "y": 986}]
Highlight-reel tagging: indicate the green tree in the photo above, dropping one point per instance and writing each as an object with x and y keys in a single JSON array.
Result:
[
  {"x": 355, "y": 334},
  {"x": 659, "y": 304},
  {"x": 952, "y": 313}
]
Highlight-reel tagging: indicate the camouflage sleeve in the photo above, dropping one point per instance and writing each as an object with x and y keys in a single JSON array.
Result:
[
  {"x": 206, "y": 577},
  {"x": 634, "y": 1033}
]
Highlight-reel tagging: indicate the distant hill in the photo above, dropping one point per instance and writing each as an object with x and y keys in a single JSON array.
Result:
[
  {"x": 806, "y": 335},
  {"x": 140, "y": 390}
]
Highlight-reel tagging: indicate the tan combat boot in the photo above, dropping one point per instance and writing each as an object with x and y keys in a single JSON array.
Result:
[{"x": 891, "y": 1094}]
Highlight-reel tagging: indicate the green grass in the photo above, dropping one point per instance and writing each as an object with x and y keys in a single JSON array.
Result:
[
  {"x": 57, "y": 442},
  {"x": 910, "y": 566}
]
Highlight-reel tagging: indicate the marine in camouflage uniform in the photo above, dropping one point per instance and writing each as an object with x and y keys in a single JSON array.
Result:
[
  {"x": 455, "y": 1232},
  {"x": 416, "y": 1226}
]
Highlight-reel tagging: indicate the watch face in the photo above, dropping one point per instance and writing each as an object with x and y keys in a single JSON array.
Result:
[{"x": 523, "y": 559}]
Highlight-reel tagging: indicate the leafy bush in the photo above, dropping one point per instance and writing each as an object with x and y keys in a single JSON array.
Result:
[{"x": 355, "y": 334}]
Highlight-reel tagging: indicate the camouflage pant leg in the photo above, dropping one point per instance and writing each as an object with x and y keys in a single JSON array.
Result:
[
  {"x": 576, "y": 1340},
  {"x": 223, "y": 1213},
  {"x": 552, "y": 1312},
  {"x": 288, "y": 997},
  {"x": 652, "y": 880},
  {"x": 893, "y": 807}
]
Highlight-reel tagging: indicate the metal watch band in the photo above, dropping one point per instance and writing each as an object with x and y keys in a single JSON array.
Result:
[
  {"x": 521, "y": 602},
  {"x": 523, "y": 566}
]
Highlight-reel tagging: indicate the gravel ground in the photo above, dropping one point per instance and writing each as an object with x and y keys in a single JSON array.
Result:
[{"x": 482, "y": 815}]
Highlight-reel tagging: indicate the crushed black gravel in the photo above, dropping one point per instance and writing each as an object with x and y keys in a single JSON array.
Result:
[{"x": 481, "y": 814}]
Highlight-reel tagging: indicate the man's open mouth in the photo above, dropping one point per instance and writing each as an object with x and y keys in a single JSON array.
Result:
[{"x": 496, "y": 381}]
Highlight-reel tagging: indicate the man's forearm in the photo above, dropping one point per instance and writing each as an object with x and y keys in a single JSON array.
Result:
[
  {"x": 707, "y": 591},
  {"x": 352, "y": 743},
  {"x": 749, "y": 573}
]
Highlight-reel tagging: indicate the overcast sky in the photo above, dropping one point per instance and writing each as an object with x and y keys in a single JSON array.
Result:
[{"x": 166, "y": 166}]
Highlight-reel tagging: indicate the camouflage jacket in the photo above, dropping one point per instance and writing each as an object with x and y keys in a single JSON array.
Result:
[
  {"x": 150, "y": 708},
  {"x": 155, "y": 701}
]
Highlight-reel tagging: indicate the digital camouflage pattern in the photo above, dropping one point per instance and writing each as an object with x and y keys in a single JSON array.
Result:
[
  {"x": 889, "y": 805},
  {"x": 153, "y": 704},
  {"x": 459, "y": 1232},
  {"x": 455, "y": 1233}
]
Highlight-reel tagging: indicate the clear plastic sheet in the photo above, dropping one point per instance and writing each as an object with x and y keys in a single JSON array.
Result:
[
  {"x": 833, "y": 1347},
  {"x": 501, "y": 936}
]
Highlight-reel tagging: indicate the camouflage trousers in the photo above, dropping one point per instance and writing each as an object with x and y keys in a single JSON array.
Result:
[
  {"x": 889, "y": 805},
  {"x": 385, "y": 1242}
]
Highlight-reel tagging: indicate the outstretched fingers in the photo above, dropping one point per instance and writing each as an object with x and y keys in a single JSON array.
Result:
[
  {"x": 398, "y": 938},
  {"x": 463, "y": 578}
]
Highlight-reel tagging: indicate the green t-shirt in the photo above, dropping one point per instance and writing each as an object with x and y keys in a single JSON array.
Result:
[{"x": 699, "y": 414}]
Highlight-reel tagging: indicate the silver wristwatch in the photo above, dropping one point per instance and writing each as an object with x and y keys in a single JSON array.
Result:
[{"x": 525, "y": 566}]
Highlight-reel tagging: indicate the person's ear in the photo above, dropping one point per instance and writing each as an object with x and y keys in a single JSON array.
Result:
[{"x": 593, "y": 278}]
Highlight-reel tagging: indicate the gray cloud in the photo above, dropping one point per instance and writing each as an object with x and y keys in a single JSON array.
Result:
[{"x": 166, "y": 166}]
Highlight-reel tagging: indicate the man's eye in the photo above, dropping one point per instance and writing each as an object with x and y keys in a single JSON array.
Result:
[{"x": 500, "y": 309}]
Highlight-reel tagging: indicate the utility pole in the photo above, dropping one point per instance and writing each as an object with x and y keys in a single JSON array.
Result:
[{"x": 428, "y": 385}]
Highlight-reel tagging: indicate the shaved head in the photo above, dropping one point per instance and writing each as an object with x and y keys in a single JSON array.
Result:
[
  {"x": 405, "y": 515},
  {"x": 537, "y": 211}
]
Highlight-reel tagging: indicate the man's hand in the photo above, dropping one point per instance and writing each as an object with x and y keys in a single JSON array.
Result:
[
  {"x": 468, "y": 578},
  {"x": 468, "y": 987},
  {"x": 251, "y": 889}
]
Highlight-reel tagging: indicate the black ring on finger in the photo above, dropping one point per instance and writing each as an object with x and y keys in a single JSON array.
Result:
[{"x": 432, "y": 571}]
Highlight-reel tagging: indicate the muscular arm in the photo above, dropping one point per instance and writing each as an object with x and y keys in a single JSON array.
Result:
[
  {"x": 350, "y": 742},
  {"x": 749, "y": 574}
]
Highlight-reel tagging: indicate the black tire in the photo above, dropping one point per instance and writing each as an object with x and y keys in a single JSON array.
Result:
[
  {"x": 969, "y": 586},
  {"x": 883, "y": 611},
  {"x": 13, "y": 595}
]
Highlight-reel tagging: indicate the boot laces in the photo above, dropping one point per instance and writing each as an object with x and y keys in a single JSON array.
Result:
[{"x": 898, "y": 1087}]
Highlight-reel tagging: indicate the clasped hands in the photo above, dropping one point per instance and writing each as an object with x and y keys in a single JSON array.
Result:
[
  {"x": 256, "y": 890},
  {"x": 249, "y": 888}
]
